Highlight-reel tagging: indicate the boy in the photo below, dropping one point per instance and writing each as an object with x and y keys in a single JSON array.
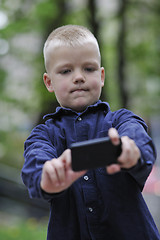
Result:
[{"x": 103, "y": 203}]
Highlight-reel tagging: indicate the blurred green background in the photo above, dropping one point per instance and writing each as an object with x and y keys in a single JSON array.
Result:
[{"x": 129, "y": 36}]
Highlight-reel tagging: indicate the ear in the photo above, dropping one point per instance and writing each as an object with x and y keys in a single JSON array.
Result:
[
  {"x": 48, "y": 82},
  {"x": 102, "y": 76}
]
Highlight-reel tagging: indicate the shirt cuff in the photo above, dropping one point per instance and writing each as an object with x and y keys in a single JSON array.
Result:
[{"x": 50, "y": 196}]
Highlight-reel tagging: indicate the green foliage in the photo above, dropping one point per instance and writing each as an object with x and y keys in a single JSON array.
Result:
[
  {"x": 23, "y": 96},
  {"x": 143, "y": 55},
  {"x": 43, "y": 13},
  {"x": 2, "y": 82},
  {"x": 30, "y": 229}
]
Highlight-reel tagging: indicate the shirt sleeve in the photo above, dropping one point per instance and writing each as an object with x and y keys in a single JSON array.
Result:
[
  {"x": 131, "y": 125},
  {"x": 38, "y": 148}
]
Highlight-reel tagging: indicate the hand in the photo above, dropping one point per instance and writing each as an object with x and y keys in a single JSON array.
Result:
[
  {"x": 130, "y": 152},
  {"x": 57, "y": 174}
]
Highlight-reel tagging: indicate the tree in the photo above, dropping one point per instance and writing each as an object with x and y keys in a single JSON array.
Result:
[
  {"x": 121, "y": 56},
  {"x": 128, "y": 36},
  {"x": 95, "y": 26}
]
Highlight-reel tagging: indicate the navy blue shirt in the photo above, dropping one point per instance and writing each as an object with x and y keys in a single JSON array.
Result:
[{"x": 97, "y": 206}]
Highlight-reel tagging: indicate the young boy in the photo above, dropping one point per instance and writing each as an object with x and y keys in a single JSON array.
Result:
[{"x": 103, "y": 203}]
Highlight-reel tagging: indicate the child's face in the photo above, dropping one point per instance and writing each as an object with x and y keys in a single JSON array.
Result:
[{"x": 75, "y": 75}]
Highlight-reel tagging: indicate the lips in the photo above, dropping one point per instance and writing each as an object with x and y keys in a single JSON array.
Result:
[{"x": 79, "y": 90}]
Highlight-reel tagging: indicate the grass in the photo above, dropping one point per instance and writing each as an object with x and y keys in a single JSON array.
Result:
[{"x": 24, "y": 230}]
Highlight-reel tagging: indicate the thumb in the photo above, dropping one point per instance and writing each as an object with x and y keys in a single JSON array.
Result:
[
  {"x": 67, "y": 159},
  {"x": 114, "y": 136}
]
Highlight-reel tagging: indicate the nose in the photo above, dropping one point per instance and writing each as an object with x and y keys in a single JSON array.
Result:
[{"x": 79, "y": 77}]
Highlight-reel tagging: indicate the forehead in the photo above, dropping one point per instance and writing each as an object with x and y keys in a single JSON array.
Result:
[{"x": 87, "y": 50}]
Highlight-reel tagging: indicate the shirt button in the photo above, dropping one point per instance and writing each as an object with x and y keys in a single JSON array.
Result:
[
  {"x": 90, "y": 209},
  {"x": 86, "y": 177},
  {"x": 79, "y": 119}
]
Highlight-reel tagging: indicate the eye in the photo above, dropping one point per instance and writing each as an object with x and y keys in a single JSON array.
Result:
[
  {"x": 65, "y": 71},
  {"x": 89, "y": 69}
]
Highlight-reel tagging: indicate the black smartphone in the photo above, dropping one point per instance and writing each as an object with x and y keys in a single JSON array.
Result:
[{"x": 94, "y": 153}]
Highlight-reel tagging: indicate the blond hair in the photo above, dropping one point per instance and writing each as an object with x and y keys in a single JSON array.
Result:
[{"x": 69, "y": 35}]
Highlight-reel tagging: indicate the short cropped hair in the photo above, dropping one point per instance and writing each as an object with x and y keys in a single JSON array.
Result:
[{"x": 69, "y": 35}]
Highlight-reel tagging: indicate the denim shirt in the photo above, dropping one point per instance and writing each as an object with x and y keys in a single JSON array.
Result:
[{"x": 97, "y": 206}]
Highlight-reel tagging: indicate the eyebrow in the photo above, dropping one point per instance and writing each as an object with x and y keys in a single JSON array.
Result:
[
  {"x": 59, "y": 66},
  {"x": 91, "y": 62}
]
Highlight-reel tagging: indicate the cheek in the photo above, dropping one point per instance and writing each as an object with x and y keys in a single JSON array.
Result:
[
  {"x": 64, "y": 88},
  {"x": 96, "y": 85},
  {"x": 61, "y": 90}
]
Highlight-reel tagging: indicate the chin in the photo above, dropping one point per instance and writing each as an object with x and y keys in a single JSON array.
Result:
[{"x": 81, "y": 107}]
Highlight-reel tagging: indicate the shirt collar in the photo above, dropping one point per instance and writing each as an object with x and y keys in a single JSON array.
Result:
[{"x": 62, "y": 110}]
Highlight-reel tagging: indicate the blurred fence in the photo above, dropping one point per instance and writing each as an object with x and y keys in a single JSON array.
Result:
[{"x": 14, "y": 196}]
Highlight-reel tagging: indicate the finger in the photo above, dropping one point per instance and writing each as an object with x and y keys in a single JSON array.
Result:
[
  {"x": 48, "y": 173},
  {"x": 113, "y": 168},
  {"x": 125, "y": 155},
  {"x": 75, "y": 175},
  {"x": 114, "y": 136},
  {"x": 130, "y": 153},
  {"x": 66, "y": 158},
  {"x": 67, "y": 170},
  {"x": 63, "y": 165},
  {"x": 60, "y": 171}
]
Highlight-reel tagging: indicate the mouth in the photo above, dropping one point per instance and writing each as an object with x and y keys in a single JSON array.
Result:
[{"x": 79, "y": 90}]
